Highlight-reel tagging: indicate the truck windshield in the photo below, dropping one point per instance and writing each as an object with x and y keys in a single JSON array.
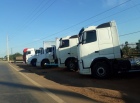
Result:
[
  {"x": 48, "y": 50},
  {"x": 37, "y": 51},
  {"x": 28, "y": 52},
  {"x": 89, "y": 36},
  {"x": 64, "y": 43}
]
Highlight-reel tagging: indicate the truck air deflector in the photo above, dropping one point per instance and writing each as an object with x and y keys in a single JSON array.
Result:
[
  {"x": 74, "y": 36},
  {"x": 104, "y": 25}
]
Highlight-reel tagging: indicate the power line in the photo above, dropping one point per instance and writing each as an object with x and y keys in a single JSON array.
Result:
[
  {"x": 88, "y": 24},
  {"x": 32, "y": 15},
  {"x": 115, "y": 13},
  {"x": 36, "y": 8},
  {"x": 31, "y": 19},
  {"x": 119, "y": 36},
  {"x": 110, "y": 16},
  {"x": 84, "y": 21},
  {"x": 43, "y": 11},
  {"x": 28, "y": 17},
  {"x": 130, "y": 20},
  {"x": 136, "y": 7},
  {"x": 81, "y": 21},
  {"x": 129, "y": 33}
]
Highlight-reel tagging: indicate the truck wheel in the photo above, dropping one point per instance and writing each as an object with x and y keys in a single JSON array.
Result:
[
  {"x": 100, "y": 70},
  {"x": 71, "y": 65},
  {"x": 125, "y": 65},
  {"x": 33, "y": 63},
  {"x": 43, "y": 63}
]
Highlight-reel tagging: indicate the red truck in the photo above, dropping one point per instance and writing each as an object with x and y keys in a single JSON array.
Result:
[{"x": 24, "y": 54}]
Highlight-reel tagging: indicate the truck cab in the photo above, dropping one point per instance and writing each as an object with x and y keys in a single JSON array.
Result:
[
  {"x": 67, "y": 52},
  {"x": 29, "y": 53},
  {"x": 24, "y": 54},
  {"x": 48, "y": 57},
  {"x": 98, "y": 47},
  {"x": 32, "y": 60}
]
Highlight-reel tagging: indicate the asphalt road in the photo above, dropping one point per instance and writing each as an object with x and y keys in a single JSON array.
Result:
[{"x": 15, "y": 87}]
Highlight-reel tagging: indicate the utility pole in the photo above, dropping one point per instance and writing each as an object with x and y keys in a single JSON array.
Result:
[
  {"x": 12, "y": 54},
  {"x": 11, "y": 51},
  {"x": 7, "y": 50}
]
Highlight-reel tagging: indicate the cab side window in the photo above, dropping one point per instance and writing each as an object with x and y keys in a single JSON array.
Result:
[
  {"x": 64, "y": 43},
  {"x": 42, "y": 51},
  {"x": 28, "y": 52},
  {"x": 89, "y": 36}
]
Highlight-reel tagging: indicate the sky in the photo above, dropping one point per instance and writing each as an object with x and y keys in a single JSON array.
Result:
[{"x": 27, "y": 23}]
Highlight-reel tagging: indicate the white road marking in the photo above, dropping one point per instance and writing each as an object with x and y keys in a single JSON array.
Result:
[{"x": 53, "y": 96}]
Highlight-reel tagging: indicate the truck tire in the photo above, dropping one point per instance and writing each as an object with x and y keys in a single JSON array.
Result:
[
  {"x": 33, "y": 62},
  {"x": 124, "y": 65},
  {"x": 100, "y": 70},
  {"x": 43, "y": 63},
  {"x": 71, "y": 65}
]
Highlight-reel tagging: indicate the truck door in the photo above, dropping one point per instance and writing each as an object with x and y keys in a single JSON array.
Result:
[
  {"x": 29, "y": 54},
  {"x": 89, "y": 48},
  {"x": 49, "y": 53},
  {"x": 73, "y": 47},
  {"x": 64, "y": 51},
  {"x": 105, "y": 42},
  {"x": 54, "y": 53}
]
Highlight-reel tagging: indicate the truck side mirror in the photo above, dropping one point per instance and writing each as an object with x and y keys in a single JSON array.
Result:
[
  {"x": 83, "y": 41},
  {"x": 78, "y": 43}
]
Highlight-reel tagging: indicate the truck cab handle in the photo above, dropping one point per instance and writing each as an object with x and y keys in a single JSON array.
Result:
[
  {"x": 96, "y": 51},
  {"x": 68, "y": 53}
]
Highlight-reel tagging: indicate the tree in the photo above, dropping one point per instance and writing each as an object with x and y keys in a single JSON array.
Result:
[
  {"x": 126, "y": 50},
  {"x": 126, "y": 43},
  {"x": 12, "y": 57},
  {"x": 138, "y": 46}
]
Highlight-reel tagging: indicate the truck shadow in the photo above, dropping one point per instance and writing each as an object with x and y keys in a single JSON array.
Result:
[
  {"x": 64, "y": 76},
  {"x": 18, "y": 86},
  {"x": 126, "y": 83}
]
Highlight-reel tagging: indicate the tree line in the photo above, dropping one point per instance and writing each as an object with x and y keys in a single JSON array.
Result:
[
  {"x": 128, "y": 51},
  {"x": 13, "y": 56}
]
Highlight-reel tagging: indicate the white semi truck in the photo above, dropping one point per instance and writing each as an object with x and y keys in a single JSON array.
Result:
[
  {"x": 48, "y": 55},
  {"x": 67, "y": 52},
  {"x": 99, "y": 52},
  {"x": 32, "y": 60},
  {"x": 29, "y": 53}
]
